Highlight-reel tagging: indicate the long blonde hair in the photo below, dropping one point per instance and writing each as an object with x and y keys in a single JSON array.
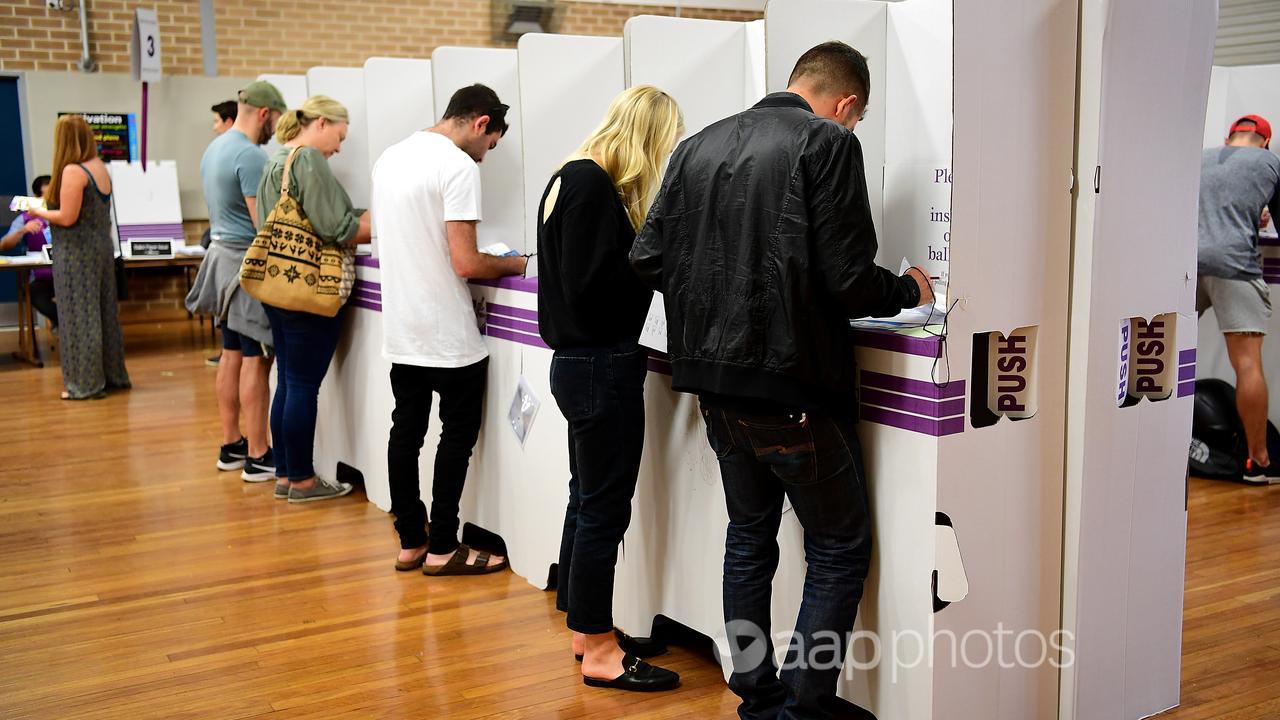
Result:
[
  {"x": 639, "y": 130},
  {"x": 293, "y": 121},
  {"x": 73, "y": 142}
]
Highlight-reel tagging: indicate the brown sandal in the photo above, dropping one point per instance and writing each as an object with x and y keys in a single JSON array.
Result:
[
  {"x": 408, "y": 565},
  {"x": 458, "y": 564}
]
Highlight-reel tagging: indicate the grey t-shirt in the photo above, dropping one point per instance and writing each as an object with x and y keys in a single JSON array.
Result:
[
  {"x": 230, "y": 170},
  {"x": 1235, "y": 184}
]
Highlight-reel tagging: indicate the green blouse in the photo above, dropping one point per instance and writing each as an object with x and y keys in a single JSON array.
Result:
[{"x": 311, "y": 182}]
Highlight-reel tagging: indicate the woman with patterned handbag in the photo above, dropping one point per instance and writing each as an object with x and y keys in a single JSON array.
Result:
[{"x": 306, "y": 215}]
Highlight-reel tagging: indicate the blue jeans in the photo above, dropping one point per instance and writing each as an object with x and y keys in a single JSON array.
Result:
[
  {"x": 816, "y": 462},
  {"x": 304, "y": 345},
  {"x": 600, "y": 391}
]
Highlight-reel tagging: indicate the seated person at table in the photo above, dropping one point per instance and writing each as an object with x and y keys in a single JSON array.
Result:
[{"x": 34, "y": 232}]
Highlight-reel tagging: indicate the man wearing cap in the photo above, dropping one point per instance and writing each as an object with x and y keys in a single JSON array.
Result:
[
  {"x": 1237, "y": 182},
  {"x": 230, "y": 170}
]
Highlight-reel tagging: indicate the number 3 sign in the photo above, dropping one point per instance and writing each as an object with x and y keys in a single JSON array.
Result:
[{"x": 144, "y": 48}]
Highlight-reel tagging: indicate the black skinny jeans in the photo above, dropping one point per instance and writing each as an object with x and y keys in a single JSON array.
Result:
[
  {"x": 461, "y": 402},
  {"x": 42, "y": 299},
  {"x": 600, "y": 391}
]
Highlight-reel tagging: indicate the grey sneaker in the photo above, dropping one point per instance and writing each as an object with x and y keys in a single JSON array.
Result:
[
  {"x": 282, "y": 491},
  {"x": 323, "y": 490}
]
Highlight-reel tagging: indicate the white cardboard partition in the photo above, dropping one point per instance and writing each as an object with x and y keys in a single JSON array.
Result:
[
  {"x": 351, "y": 164},
  {"x": 1135, "y": 256},
  {"x": 792, "y": 29},
  {"x": 398, "y": 101},
  {"x": 502, "y": 171},
  {"x": 1233, "y": 93},
  {"x": 566, "y": 84},
  {"x": 703, "y": 64}
]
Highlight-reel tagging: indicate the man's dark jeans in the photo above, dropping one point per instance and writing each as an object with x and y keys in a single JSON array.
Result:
[
  {"x": 461, "y": 402},
  {"x": 600, "y": 391},
  {"x": 816, "y": 462}
]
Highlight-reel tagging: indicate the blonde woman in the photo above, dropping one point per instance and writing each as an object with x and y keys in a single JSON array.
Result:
[
  {"x": 591, "y": 307},
  {"x": 79, "y": 212},
  {"x": 305, "y": 342}
]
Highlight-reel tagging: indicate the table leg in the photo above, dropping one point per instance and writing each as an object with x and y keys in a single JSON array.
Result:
[{"x": 28, "y": 349}]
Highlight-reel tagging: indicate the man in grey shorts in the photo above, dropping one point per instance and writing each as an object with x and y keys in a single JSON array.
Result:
[{"x": 1237, "y": 181}]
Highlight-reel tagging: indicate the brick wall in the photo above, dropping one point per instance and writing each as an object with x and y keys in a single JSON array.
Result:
[{"x": 283, "y": 36}]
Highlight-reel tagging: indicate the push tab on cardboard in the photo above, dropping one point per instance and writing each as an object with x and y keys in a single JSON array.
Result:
[
  {"x": 1148, "y": 366},
  {"x": 1004, "y": 372}
]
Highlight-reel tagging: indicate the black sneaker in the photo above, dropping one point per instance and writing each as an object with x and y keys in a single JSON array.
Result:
[
  {"x": 1255, "y": 474},
  {"x": 213, "y": 361},
  {"x": 232, "y": 455},
  {"x": 258, "y": 470}
]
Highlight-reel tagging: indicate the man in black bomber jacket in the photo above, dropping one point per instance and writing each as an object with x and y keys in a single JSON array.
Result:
[{"x": 762, "y": 243}]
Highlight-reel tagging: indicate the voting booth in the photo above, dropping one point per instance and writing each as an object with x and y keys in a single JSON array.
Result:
[
  {"x": 1233, "y": 93},
  {"x": 1011, "y": 579}
]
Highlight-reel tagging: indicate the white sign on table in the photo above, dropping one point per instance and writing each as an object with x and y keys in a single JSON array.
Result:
[{"x": 654, "y": 333}]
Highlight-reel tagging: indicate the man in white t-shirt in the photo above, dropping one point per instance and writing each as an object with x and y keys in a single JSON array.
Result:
[{"x": 425, "y": 206}]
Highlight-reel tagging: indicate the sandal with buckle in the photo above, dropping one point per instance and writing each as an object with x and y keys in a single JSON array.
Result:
[
  {"x": 637, "y": 676},
  {"x": 410, "y": 565},
  {"x": 458, "y": 564}
]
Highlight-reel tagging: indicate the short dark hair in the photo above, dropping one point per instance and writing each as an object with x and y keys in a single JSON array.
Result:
[
  {"x": 226, "y": 110},
  {"x": 834, "y": 68},
  {"x": 40, "y": 181},
  {"x": 476, "y": 100}
]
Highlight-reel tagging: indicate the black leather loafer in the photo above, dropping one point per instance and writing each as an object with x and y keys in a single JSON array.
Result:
[{"x": 638, "y": 676}]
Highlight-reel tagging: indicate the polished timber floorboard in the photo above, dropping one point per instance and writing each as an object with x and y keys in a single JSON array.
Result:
[{"x": 137, "y": 582}]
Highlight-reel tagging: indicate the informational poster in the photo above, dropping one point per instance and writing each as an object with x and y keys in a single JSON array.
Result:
[
  {"x": 917, "y": 212},
  {"x": 116, "y": 133}
]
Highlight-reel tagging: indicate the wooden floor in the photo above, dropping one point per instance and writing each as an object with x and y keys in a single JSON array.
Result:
[{"x": 137, "y": 582}]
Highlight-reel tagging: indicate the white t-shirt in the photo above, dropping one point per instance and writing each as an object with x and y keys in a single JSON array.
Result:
[{"x": 419, "y": 184}]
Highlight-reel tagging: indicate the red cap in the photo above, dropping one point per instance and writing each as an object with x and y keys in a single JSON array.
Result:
[{"x": 1252, "y": 123}]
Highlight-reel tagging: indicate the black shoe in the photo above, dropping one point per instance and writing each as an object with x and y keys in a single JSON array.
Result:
[
  {"x": 1255, "y": 474},
  {"x": 213, "y": 361},
  {"x": 258, "y": 470},
  {"x": 640, "y": 647},
  {"x": 638, "y": 676},
  {"x": 233, "y": 455}
]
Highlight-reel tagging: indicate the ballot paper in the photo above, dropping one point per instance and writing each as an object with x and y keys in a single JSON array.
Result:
[
  {"x": 654, "y": 333},
  {"x": 23, "y": 203},
  {"x": 498, "y": 250}
]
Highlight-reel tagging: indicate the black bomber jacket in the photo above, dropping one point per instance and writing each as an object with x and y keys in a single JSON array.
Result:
[{"x": 762, "y": 243}]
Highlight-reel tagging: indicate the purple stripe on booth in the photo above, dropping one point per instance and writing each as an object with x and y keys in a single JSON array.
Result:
[
  {"x": 365, "y": 304},
  {"x": 1271, "y": 241},
  {"x": 896, "y": 342},
  {"x": 924, "y": 426},
  {"x": 522, "y": 284},
  {"x": 515, "y": 312},
  {"x": 1187, "y": 388},
  {"x": 513, "y": 324},
  {"x": 144, "y": 227},
  {"x": 919, "y": 406},
  {"x": 513, "y": 336},
  {"x": 1186, "y": 372},
  {"x": 365, "y": 297},
  {"x": 907, "y": 386},
  {"x": 366, "y": 289},
  {"x": 367, "y": 261},
  {"x": 175, "y": 233},
  {"x": 1186, "y": 356},
  {"x": 369, "y": 283}
]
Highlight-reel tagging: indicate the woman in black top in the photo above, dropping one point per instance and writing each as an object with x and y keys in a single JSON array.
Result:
[{"x": 591, "y": 307}]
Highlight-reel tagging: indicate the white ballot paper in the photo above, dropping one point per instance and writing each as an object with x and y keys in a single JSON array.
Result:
[
  {"x": 524, "y": 407},
  {"x": 654, "y": 333}
]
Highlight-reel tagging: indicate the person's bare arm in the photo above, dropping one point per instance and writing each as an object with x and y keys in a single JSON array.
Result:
[
  {"x": 252, "y": 204},
  {"x": 74, "y": 181},
  {"x": 8, "y": 242},
  {"x": 469, "y": 262},
  {"x": 364, "y": 231}
]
